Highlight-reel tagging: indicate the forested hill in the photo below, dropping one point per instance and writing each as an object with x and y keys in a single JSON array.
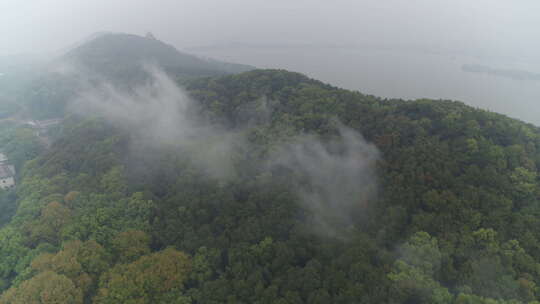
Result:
[
  {"x": 117, "y": 58},
  {"x": 117, "y": 55},
  {"x": 315, "y": 195}
]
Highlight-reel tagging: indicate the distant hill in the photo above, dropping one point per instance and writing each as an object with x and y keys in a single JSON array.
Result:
[
  {"x": 116, "y": 58},
  {"x": 507, "y": 73},
  {"x": 114, "y": 54}
]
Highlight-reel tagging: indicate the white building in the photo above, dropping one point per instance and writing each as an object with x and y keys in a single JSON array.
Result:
[
  {"x": 43, "y": 124},
  {"x": 3, "y": 158},
  {"x": 7, "y": 176}
]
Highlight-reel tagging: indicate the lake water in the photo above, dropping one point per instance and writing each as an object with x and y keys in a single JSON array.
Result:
[{"x": 402, "y": 74}]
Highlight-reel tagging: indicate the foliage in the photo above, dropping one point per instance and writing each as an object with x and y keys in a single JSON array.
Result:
[
  {"x": 45, "y": 288},
  {"x": 147, "y": 280},
  {"x": 457, "y": 218}
]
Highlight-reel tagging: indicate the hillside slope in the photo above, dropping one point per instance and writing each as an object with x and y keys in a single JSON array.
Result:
[
  {"x": 118, "y": 59},
  {"x": 118, "y": 55},
  {"x": 112, "y": 215}
]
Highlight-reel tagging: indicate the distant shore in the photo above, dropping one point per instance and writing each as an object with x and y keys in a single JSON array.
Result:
[{"x": 507, "y": 73}]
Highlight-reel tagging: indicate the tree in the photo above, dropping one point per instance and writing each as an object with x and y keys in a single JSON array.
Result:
[
  {"x": 413, "y": 274},
  {"x": 146, "y": 280},
  {"x": 54, "y": 216},
  {"x": 12, "y": 251},
  {"x": 45, "y": 288},
  {"x": 130, "y": 245},
  {"x": 81, "y": 262}
]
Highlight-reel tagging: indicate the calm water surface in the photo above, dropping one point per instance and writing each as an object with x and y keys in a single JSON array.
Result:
[{"x": 398, "y": 74}]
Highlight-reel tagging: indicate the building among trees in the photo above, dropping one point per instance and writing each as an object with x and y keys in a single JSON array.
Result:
[{"x": 7, "y": 173}]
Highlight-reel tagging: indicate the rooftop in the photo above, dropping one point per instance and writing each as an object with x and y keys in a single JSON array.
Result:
[{"x": 6, "y": 171}]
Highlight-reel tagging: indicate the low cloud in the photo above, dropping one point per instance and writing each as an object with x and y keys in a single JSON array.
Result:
[
  {"x": 334, "y": 179},
  {"x": 337, "y": 178},
  {"x": 161, "y": 114}
]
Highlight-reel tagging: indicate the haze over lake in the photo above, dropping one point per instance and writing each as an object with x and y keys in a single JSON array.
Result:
[{"x": 399, "y": 73}]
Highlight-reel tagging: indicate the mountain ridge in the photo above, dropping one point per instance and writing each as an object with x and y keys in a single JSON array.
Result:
[
  {"x": 120, "y": 48},
  {"x": 115, "y": 58}
]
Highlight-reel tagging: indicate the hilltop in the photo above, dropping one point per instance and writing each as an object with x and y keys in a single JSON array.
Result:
[
  {"x": 117, "y": 54},
  {"x": 115, "y": 58}
]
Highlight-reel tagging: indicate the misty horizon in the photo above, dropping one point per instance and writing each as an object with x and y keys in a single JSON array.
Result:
[
  {"x": 481, "y": 26},
  {"x": 385, "y": 70},
  {"x": 392, "y": 49}
]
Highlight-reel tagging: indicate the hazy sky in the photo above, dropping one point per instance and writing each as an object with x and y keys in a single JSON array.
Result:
[{"x": 506, "y": 27}]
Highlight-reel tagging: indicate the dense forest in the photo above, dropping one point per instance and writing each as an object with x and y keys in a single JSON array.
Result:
[{"x": 442, "y": 208}]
